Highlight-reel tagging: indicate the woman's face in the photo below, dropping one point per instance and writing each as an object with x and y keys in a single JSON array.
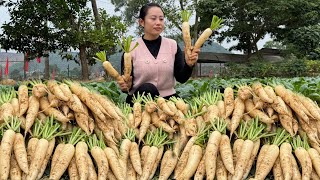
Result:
[{"x": 153, "y": 23}]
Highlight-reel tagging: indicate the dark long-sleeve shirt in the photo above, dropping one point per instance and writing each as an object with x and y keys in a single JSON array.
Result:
[{"x": 182, "y": 71}]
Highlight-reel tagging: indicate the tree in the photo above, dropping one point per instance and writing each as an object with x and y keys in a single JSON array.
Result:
[
  {"x": 79, "y": 32},
  {"x": 171, "y": 8},
  {"x": 249, "y": 21},
  {"x": 96, "y": 14},
  {"x": 305, "y": 40},
  {"x": 71, "y": 26},
  {"x": 28, "y": 32}
]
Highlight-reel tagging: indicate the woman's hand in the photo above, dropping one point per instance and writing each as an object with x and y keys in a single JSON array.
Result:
[
  {"x": 125, "y": 85},
  {"x": 191, "y": 58}
]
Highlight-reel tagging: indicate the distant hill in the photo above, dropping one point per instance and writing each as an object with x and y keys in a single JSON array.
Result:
[{"x": 212, "y": 47}]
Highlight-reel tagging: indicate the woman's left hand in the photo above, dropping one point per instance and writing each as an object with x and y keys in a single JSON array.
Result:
[{"x": 192, "y": 58}]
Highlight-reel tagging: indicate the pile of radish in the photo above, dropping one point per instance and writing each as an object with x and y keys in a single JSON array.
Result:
[{"x": 66, "y": 130}]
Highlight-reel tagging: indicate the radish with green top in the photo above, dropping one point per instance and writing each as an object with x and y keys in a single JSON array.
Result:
[
  {"x": 7, "y": 145},
  {"x": 96, "y": 147},
  {"x": 48, "y": 131},
  {"x": 81, "y": 152},
  {"x": 285, "y": 160},
  {"x": 212, "y": 148},
  {"x": 253, "y": 132},
  {"x": 195, "y": 154},
  {"x": 266, "y": 162},
  {"x": 66, "y": 154},
  {"x": 168, "y": 163},
  {"x": 125, "y": 149},
  {"x": 300, "y": 150},
  {"x": 215, "y": 24},
  {"x": 126, "y": 45},
  {"x": 186, "y": 31},
  {"x": 108, "y": 66},
  {"x": 152, "y": 159},
  {"x": 6, "y": 108}
]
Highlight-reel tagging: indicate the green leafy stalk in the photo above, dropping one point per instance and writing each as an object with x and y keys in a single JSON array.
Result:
[
  {"x": 36, "y": 131},
  {"x": 126, "y": 44},
  {"x": 13, "y": 123},
  {"x": 68, "y": 82},
  {"x": 195, "y": 108},
  {"x": 216, "y": 22},
  {"x": 1, "y": 132},
  {"x": 305, "y": 143},
  {"x": 76, "y": 135},
  {"x": 255, "y": 130},
  {"x": 296, "y": 142},
  {"x": 219, "y": 125},
  {"x": 242, "y": 130},
  {"x": 161, "y": 138},
  {"x": 126, "y": 109},
  {"x": 130, "y": 134},
  {"x": 239, "y": 85},
  {"x": 101, "y": 142},
  {"x": 93, "y": 141},
  {"x": 102, "y": 56},
  {"x": 211, "y": 97},
  {"x": 34, "y": 82},
  {"x": 266, "y": 140},
  {"x": 202, "y": 135},
  {"x": 147, "y": 98},
  {"x": 149, "y": 138},
  {"x": 51, "y": 128},
  {"x": 7, "y": 95},
  {"x": 185, "y": 15},
  {"x": 175, "y": 99},
  {"x": 137, "y": 98},
  {"x": 281, "y": 136}
]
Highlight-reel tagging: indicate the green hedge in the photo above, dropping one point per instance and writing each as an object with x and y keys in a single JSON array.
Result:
[{"x": 259, "y": 68}]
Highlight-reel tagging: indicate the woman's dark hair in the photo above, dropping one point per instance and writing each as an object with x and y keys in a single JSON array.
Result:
[{"x": 144, "y": 9}]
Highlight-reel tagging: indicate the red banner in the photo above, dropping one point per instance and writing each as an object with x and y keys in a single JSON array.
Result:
[
  {"x": 0, "y": 71},
  {"x": 7, "y": 67},
  {"x": 39, "y": 59},
  {"x": 26, "y": 67}
]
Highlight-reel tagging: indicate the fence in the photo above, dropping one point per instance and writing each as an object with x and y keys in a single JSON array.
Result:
[{"x": 58, "y": 68}]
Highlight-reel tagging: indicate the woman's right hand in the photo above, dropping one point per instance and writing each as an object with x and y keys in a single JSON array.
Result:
[{"x": 125, "y": 85}]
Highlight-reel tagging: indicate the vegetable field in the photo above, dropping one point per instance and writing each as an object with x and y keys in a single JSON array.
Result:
[{"x": 215, "y": 129}]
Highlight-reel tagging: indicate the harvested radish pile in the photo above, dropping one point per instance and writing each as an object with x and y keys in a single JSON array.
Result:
[{"x": 61, "y": 130}]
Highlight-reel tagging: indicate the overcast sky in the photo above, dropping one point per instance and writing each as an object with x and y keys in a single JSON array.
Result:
[{"x": 4, "y": 16}]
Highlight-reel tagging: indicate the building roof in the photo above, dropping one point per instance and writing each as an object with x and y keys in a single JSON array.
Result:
[{"x": 269, "y": 51}]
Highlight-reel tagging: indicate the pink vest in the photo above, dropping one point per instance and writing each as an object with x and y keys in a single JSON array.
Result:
[{"x": 159, "y": 72}]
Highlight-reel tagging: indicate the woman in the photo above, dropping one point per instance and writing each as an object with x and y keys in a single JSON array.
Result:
[{"x": 157, "y": 61}]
